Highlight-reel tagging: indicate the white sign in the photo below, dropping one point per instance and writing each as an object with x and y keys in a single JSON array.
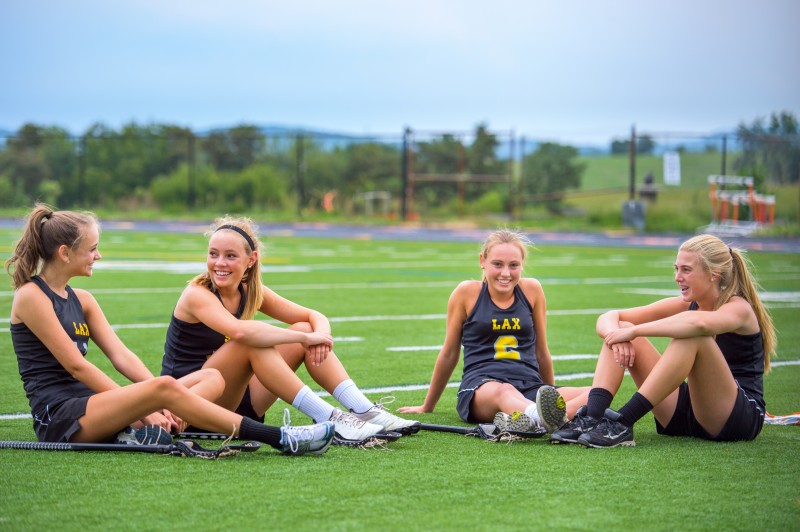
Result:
[{"x": 672, "y": 168}]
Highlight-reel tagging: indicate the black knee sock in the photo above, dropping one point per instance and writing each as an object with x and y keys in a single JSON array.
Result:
[
  {"x": 253, "y": 430},
  {"x": 635, "y": 409},
  {"x": 599, "y": 400}
]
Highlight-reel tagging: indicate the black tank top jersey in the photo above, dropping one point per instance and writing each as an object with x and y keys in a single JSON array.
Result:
[
  {"x": 500, "y": 343},
  {"x": 47, "y": 384},
  {"x": 189, "y": 345},
  {"x": 744, "y": 354}
]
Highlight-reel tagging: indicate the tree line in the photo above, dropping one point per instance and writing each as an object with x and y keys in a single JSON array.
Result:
[{"x": 241, "y": 169}]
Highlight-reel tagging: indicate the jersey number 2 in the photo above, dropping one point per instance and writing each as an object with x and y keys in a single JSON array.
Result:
[{"x": 505, "y": 347}]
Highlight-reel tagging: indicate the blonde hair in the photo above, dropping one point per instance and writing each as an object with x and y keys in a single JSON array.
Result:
[
  {"x": 252, "y": 276},
  {"x": 505, "y": 236},
  {"x": 45, "y": 231},
  {"x": 735, "y": 279}
]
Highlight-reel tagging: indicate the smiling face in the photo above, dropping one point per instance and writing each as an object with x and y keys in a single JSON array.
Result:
[
  {"x": 83, "y": 256},
  {"x": 502, "y": 267},
  {"x": 227, "y": 260},
  {"x": 694, "y": 282}
]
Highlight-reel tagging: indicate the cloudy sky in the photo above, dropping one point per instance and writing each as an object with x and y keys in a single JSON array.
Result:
[{"x": 577, "y": 71}]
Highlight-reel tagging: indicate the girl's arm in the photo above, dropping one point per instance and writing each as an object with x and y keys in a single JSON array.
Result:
[
  {"x": 201, "y": 305},
  {"x": 123, "y": 359},
  {"x": 450, "y": 353},
  {"x": 288, "y": 311},
  {"x": 533, "y": 290},
  {"x": 734, "y": 316},
  {"x": 614, "y": 319}
]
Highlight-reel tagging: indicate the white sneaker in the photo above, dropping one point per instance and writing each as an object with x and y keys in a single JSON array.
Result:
[
  {"x": 379, "y": 415},
  {"x": 311, "y": 439},
  {"x": 350, "y": 428},
  {"x": 516, "y": 422}
]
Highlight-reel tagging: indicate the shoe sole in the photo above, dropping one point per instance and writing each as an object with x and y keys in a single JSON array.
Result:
[
  {"x": 385, "y": 436},
  {"x": 506, "y": 422},
  {"x": 627, "y": 443},
  {"x": 551, "y": 407},
  {"x": 323, "y": 449},
  {"x": 407, "y": 431},
  {"x": 559, "y": 440}
]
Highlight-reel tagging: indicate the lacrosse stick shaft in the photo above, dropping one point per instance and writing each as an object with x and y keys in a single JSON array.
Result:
[
  {"x": 204, "y": 435},
  {"x": 53, "y": 446},
  {"x": 448, "y": 428}
]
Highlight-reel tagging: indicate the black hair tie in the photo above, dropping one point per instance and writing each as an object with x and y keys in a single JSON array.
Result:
[{"x": 241, "y": 232}]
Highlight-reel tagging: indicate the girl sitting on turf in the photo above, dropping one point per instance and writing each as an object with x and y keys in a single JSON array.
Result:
[
  {"x": 501, "y": 322},
  {"x": 708, "y": 383},
  {"x": 212, "y": 326},
  {"x": 71, "y": 399}
]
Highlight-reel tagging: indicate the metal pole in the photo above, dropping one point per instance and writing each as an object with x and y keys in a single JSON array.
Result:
[
  {"x": 512, "y": 202},
  {"x": 299, "y": 167},
  {"x": 632, "y": 156},
  {"x": 82, "y": 171},
  {"x": 404, "y": 174},
  {"x": 724, "y": 153},
  {"x": 192, "y": 197}
]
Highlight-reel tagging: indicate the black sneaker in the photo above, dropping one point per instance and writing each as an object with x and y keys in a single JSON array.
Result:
[
  {"x": 572, "y": 430},
  {"x": 608, "y": 432}
]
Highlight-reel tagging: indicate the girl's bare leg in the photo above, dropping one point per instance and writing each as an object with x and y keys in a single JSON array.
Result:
[
  {"x": 608, "y": 375},
  {"x": 328, "y": 375},
  {"x": 493, "y": 397},
  {"x": 239, "y": 363},
  {"x": 109, "y": 412},
  {"x": 711, "y": 385}
]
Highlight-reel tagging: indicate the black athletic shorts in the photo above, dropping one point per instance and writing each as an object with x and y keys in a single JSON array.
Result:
[
  {"x": 60, "y": 423},
  {"x": 466, "y": 392},
  {"x": 744, "y": 423}
]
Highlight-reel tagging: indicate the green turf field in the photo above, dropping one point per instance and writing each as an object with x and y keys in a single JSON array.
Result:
[{"x": 386, "y": 301}]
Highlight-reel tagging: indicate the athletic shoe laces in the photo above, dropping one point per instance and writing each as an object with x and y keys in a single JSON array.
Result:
[
  {"x": 294, "y": 435},
  {"x": 345, "y": 418}
]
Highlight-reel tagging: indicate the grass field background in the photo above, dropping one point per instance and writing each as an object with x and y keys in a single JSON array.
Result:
[{"x": 387, "y": 301}]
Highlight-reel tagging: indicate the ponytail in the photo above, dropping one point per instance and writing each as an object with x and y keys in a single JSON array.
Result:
[{"x": 45, "y": 231}]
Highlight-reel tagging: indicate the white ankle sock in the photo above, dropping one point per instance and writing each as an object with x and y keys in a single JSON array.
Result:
[
  {"x": 533, "y": 413},
  {"x": 311, "y": 405},
  {"x": 351, "y": 397}
]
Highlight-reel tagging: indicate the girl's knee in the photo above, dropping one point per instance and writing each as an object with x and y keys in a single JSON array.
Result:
[
  {"x": 164, "y": 384},
  {"x": 212, "y": 377},
  {"x": 506, "y": 390}
]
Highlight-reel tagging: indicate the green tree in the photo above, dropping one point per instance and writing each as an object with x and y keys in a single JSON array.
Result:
[
  {"x": 34, "y": 156},
  {"x": 771, "y": 148},
  {"x": 482, "y": 154},
  {"x": 549, "y": 171},
  {"x": 235, "y": 148}
]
